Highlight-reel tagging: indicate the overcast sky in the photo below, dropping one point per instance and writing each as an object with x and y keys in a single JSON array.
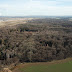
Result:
[{"x": 35, "y": 7}]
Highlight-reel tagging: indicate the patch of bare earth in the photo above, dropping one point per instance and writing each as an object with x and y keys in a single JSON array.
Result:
[
  {"x": 14, "y": 22},
  {"x": 6, "y": 70}
]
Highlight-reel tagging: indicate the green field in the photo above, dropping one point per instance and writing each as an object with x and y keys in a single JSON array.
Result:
[{"x": 62, "y": 67}]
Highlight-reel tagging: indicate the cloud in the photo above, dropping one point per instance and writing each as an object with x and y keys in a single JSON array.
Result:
[
  {"x": 3, "y": 9},
  {"x": 36, "y": 7},
  {"x": 39, "y": 9},
  {"x": 4, "y": 5},
  {"x": 65, "y": 0},
  {"x": 0, "y": 14}
]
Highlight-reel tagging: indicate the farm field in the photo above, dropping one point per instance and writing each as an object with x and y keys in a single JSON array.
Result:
[{"x": 54, "y": 66}]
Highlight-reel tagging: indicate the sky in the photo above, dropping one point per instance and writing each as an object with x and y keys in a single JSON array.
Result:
[{"x": 35, "y": 7}]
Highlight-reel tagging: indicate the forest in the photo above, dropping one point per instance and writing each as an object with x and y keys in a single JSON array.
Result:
[{"x": 38, "y": 40}]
